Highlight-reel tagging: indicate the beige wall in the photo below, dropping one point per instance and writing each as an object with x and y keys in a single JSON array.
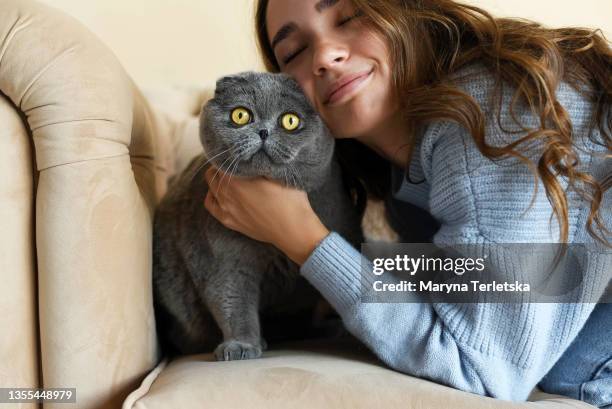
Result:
[
  {"x": 172, "y": 41},
  {"x": 181, "y": 42},
  {"x": 586, "y": 13}
]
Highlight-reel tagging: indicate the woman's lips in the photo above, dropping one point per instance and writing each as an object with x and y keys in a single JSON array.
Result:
[{"x": 347, "y": 86}]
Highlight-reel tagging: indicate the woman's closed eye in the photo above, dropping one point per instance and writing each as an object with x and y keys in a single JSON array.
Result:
[
  {"x": 292, "y": 55},
  {"x": 343, "y": 21}
]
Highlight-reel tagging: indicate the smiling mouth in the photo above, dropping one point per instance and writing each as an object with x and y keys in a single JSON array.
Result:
[{"x": 348, "y": 88}]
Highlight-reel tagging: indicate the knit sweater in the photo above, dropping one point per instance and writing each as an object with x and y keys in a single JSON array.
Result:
[{"x": 498, "y": 350}]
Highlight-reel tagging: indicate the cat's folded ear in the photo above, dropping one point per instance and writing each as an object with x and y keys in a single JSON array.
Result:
[
  {"x": 290, "y": 82},
  {"x": 229, "y": 82}
]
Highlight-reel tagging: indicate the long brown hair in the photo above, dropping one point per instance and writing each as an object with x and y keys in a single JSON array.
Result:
[{"x": 523, "y": 54}]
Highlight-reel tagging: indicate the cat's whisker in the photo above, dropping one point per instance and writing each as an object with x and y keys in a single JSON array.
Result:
[
  {"x": 193, "y": 174},
  {"x": 295, "y": 173},
  {"x": 297, "y": 182},
  {"x": 236, "y": 160},
  {"x": 204, "y": 163},
  {"x": 217, "y": 155},
  {"x": 303, "y": 183},
  {"x": 285, "y": 177},
  {"x": 232, "y": 172},
  {"x": 286, "y": 152},
  {"x": 219, "y": 170},
  {"x": 308, "y": 162}
]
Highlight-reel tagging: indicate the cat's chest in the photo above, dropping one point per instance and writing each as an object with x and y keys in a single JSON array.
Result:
[
  {"x": 232, "y": 248},
  {"x": 274, "y": 273}
]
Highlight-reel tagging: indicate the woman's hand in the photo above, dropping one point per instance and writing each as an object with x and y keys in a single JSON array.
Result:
[{"x": 266, "y": 211}]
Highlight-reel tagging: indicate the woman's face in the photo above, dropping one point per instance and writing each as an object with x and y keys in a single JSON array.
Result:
[{"x": 341, "y": 63}]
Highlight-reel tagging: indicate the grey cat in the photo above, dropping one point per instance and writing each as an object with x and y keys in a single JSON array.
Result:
[{"x": 210, "y": 282}]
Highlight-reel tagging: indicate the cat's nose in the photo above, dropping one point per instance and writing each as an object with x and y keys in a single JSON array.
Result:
[{"x": 263, "y": 134}]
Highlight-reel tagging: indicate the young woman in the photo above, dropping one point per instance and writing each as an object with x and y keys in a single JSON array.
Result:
[{"x": 437, "y": 92}]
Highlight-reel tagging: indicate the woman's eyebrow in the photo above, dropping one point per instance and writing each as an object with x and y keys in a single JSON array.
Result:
[
  {"x": 325, "y": 4},
  {"x": 290, "y": 27},
  {"x": 283, "y": 33}
]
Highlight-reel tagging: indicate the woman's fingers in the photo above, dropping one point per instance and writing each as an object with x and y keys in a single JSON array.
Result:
[
  {"x": 213, "y": 178},
  {"x": 210, "y": 201},
  {"x": 214, "y": 208},
  {"x": 211, "y": 204}
]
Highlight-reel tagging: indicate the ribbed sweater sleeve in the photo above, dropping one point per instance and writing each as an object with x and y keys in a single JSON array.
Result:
[
  {"x": 407, "y": 337},
  {"x": 498, "y": 350}
]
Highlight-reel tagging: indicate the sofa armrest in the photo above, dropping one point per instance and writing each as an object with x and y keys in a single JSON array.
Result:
[
  {"x": 97, "y": 154},
  {"x": 18, "y": 316}
]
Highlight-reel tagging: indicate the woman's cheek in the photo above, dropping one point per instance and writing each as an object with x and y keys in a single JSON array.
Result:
[{"x": 309, "y": 90}]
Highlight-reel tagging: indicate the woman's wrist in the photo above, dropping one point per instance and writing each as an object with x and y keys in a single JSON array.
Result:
[{"x": 307, "y": 236}]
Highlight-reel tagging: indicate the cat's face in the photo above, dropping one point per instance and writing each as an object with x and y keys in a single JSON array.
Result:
[{"x": 261, "y": 124}]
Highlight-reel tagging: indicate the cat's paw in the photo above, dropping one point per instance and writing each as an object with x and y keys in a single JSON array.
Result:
[
  {"x": 235, "y": 350},
  {"x": 263, "y": 343}
]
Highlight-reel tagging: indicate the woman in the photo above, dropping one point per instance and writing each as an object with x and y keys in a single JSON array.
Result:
[{"x": 430, "y": 91}]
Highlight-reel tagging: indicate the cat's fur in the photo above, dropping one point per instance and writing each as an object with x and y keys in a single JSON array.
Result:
[{"x": 210, "y": 282}]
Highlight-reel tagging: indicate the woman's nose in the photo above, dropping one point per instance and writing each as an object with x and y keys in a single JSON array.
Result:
[{"x": 327, "y": 56}]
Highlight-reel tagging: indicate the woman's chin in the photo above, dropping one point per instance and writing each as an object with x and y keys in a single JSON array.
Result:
[
  {"x": 350, "y": 131},
  {"x": 351, "y": 121}
]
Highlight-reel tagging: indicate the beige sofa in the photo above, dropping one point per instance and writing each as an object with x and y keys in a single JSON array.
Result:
[{"x": 84, "y": 159}]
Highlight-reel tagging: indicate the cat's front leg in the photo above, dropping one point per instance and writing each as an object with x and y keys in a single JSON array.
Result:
[{"x": 233, "y": 300}]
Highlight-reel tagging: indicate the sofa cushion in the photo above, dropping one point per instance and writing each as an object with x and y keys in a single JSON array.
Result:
[{"x": 313, "y": 374}]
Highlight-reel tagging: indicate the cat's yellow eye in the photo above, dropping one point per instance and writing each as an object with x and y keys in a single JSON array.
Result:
[
  {"x": 290, "y": 121},
  {"x": 241, "y": 116}
]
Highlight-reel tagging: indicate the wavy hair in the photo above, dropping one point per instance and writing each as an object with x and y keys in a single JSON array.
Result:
[{"x": 520, "y": 53}]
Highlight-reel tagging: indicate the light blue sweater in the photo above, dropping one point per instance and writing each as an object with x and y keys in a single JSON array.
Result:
[{"x": 498, "y": 350}]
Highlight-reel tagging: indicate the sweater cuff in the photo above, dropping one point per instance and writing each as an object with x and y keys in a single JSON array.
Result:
[{"x": 334, "y": 268}]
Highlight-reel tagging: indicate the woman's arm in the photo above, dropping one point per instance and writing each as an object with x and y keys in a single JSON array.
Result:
[
  {"x": 409, "y": 337},
  {"x": 500, "y": 350}
]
